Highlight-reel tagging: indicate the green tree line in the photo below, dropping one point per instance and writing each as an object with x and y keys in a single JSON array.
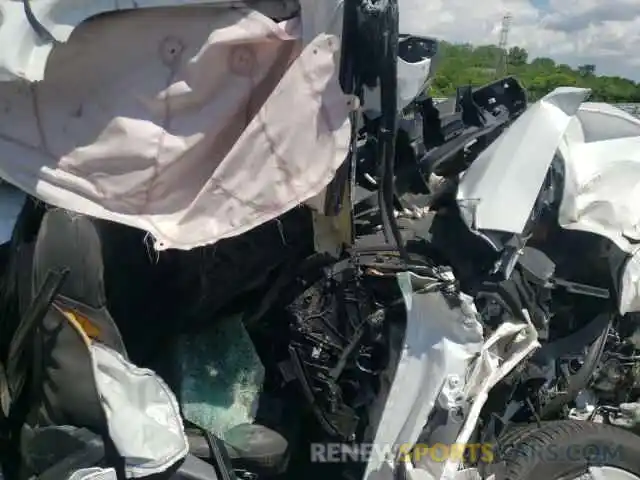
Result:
[{"x": 459, "y": 65}]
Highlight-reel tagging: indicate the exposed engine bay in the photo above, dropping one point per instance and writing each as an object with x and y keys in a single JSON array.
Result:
[{"x": 586, "y": 367}]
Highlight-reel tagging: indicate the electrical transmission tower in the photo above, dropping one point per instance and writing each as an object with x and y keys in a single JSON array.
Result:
[{"x": 503, "y": 60}]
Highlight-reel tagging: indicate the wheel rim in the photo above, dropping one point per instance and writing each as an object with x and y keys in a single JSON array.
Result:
[{"x": 607, "y": 473}]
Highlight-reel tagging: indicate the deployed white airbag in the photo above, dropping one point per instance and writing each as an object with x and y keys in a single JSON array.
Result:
[
  {"x": 26, "y": 49},
  {"x": 193, "y": 124},
  {"x": 142, "y": 414}
]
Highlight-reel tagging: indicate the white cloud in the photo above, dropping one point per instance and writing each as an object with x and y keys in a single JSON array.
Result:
[{"x": 606, "y": 33}]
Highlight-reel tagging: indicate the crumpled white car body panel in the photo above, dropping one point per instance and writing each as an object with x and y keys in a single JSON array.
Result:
[
  {"x": 499, "y": 189},
  {"x": 601, "y": 151},
  {"x": 600, "y": 147}
]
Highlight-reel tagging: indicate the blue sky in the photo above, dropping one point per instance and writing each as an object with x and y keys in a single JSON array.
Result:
[
  {"x": 542, "y": 4},
  {"x": 606, "y": 33}
]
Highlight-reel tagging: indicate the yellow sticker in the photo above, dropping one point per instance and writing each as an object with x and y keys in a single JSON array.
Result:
[{"x": 87, "y": 327}]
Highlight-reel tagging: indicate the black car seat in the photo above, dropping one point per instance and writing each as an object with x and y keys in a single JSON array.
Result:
[{"x": 56, "y": 413}]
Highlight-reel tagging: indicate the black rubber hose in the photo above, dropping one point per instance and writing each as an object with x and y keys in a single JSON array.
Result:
[
  {"x": 580, "y": 380},
  {"x": 388, "y": 125},
  {"x": 43, "y": 34}
]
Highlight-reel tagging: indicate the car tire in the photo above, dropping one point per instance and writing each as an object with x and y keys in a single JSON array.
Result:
[{"x": 564, "y": 450}]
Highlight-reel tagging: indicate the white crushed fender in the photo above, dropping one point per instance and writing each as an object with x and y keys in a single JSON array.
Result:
[
  {"x": 490, "y": 368},
  {"x": 487, "y": 370},
  {"x": 441, "y": 344},
  {"x": 438, "y": 343}
]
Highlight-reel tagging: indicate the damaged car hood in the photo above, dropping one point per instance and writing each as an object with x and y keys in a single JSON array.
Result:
[
  {"x": 499, "y": 189},
  {"x": 599, "y": 146}
]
